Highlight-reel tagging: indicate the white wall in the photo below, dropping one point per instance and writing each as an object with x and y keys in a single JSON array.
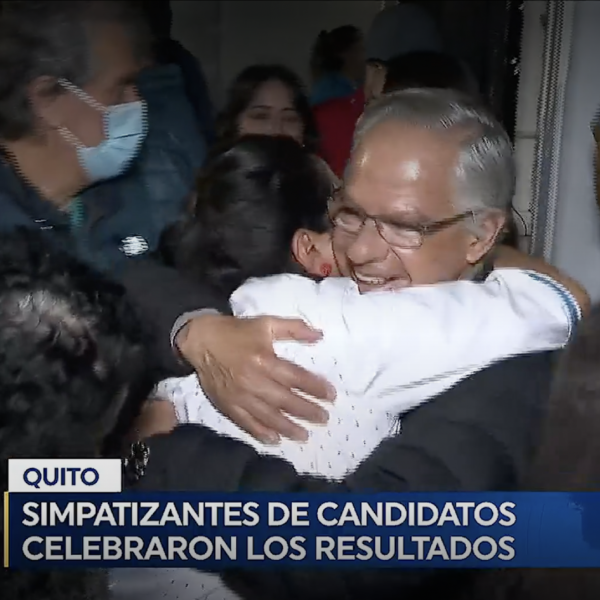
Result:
[
  {"x": 230, "y": 35},
  {"x": 576, "y": 247}
]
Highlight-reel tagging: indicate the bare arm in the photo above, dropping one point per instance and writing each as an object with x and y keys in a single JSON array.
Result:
[{"x": 506, "y": 258}]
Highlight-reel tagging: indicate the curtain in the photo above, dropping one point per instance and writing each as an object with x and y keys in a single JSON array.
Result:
[{"x": 557, "y": 52}]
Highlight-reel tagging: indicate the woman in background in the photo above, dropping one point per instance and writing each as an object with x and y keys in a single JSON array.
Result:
[
  {"x": 337, "y": 118},
  {"x": 337, "y": 64},
  {"x": 269, "y": 100}
]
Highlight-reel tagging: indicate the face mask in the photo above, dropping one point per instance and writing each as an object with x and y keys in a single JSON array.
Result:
[{"x": 125, "y": 127}]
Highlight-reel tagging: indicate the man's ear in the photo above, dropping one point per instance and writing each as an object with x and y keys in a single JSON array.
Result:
[
  {"x": 490, "y": 226},
  {"x": 306, "y": 253}
]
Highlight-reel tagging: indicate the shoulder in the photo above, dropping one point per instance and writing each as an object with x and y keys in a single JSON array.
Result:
[
  {"x": 174, "y": 386},
  {"x": 157, "y": 80},
  {"x": 485, "y": 429},
  {"x": 271, "y": 295},
  {"x": 287, "y": 295}
]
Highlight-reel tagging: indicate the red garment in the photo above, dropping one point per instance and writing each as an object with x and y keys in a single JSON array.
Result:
[{"x": 336, "y": 120}]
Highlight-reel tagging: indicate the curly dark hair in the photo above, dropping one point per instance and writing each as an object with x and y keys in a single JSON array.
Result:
[
  {"x": 251, "y": 200},
  {"x": 71, "y": 355},
  {"x": 241, "y": 93}
]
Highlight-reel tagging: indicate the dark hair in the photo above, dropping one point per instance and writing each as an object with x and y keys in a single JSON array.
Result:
[
  {"x": 70, "y": 351},
  {"x": 428, "y": 69},
  {"x": 159, "y": 16},
  {"x": 567, "y": 460},
  {"x": 242, "y": 92},
  {"x": 251, "y": 200},
  {"x": 328, "y": 50},
  {"x": 52, "y": 38}
]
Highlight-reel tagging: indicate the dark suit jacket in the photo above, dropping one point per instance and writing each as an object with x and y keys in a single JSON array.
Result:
[{"x": 477, "y": 436}]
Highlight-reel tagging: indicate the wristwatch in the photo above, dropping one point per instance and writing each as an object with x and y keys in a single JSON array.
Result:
[{"x": 135, "y": 463}]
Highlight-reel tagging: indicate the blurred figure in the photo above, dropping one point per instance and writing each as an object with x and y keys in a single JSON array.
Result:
[
  {"x": 427, "y": 69},
  {"x": 268, "y": 100},
  {"x": 400, "y": 29},
  {"x": 567, "y": 460},
  {"x": 337, "y": 64},
  {"x": 337, "y": 119},
  {"x": 170, "y": 52},
  {"x": 71, "y": 351}
]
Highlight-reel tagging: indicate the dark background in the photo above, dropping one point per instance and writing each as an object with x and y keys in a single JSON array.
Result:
[{"x": 487, "y": 35}]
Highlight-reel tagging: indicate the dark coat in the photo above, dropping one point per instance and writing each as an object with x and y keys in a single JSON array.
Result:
[{"x": 477, "y": 436}]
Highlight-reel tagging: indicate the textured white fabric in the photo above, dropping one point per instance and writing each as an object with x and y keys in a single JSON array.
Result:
[
  {"x": 172, "y": 584},
  {"x": 387, "y": 352}
]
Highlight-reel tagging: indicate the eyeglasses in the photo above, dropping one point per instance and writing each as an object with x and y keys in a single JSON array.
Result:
[{"x": 351, "y": 220}]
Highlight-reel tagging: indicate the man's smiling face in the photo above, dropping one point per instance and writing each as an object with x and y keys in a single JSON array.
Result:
[{"x": 404, "y": 175}]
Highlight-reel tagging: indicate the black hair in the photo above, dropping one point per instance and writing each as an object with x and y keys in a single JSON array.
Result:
[
  {"x": 329, "y": 48},
  {"x": 567, "y": 459},
  {"x": 251, "y": 200},
  {"x": 242, "y": 92},
  {"x": 428, "y": 69},
  {"x": 51, "y": 38},
  {"x": 71, "y": 352},
  {"x": 159, "y": 16}
]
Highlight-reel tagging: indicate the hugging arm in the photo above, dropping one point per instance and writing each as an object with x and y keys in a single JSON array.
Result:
[
  {"x": 477, "y": 436},
  {"x": 233, "y": 358},
  {"x": 414, "y": 342},
  {"x": 506, "y": 257},
  {"x": 161, "y": 295}
]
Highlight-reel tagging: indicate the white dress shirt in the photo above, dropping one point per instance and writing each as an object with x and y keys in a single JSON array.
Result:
[{"x": 387, "y": 352}]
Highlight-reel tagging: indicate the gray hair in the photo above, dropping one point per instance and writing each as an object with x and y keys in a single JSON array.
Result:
[
  {"x": 51, "y": 38},
  {"x": 485, "y": 169}
]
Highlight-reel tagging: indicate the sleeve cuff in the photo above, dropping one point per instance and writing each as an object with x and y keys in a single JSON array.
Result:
[
  {"x": 570, "y": 303},
  {"x": 185, "y": 318}
]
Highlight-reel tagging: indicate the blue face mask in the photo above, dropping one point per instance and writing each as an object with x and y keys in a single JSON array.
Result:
[{"x": 125, "y": 128}]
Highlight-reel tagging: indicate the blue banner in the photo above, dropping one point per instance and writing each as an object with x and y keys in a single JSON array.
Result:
[{"x": 220, "y": 531}]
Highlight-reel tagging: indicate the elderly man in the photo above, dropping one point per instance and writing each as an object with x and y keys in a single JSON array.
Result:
[{"x": 426, "y": 195}]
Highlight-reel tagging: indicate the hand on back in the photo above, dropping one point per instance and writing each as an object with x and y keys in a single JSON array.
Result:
[{"x": 246, "y": 381}]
